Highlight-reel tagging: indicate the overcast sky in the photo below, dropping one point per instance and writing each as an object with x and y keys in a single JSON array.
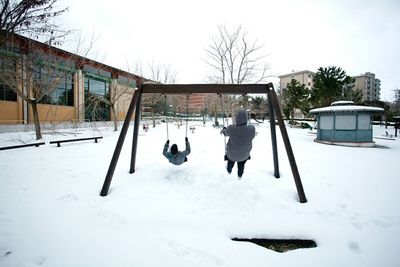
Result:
[{"x": 358, "y": 35}]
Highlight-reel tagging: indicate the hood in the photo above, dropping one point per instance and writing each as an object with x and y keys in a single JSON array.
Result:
[{"x": 241, "y": 117}]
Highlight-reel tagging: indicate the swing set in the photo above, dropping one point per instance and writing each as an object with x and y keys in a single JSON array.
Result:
[{"x": 273, "y": 105}]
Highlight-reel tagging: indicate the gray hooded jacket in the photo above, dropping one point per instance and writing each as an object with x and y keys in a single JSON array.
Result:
[
  {"x": 179, "y": 158},
  {"x": 240, "y": 138}
]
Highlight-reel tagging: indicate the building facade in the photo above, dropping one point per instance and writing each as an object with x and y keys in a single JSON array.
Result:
[
  {"x": 369, "y": 85},
  {"x": 67, "y": 87},
  {"x": 305, "y": 77}
]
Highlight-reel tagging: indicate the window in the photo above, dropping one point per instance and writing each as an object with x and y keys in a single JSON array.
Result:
[
  {"x": 364, "y": 122},
  {"x": 6, "y": 93},
  {"x": 64, "y": 93},
  {"x": 126, "y": 81},
  {"x": 96, "y": 87},
  {"x": 345, "y": 122},
  {"x": 56, "y": 85},
  {"x": 326, "y": 122},
  {"x": 97, "y": 92}
]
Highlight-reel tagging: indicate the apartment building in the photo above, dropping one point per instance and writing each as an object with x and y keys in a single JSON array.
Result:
[
  {"x": 369, "y": 85},
  {"x": 75, "y": 84},
  {"x": 304, "y": 77}
]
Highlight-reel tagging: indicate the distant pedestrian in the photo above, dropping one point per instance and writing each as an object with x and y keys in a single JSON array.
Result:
[{"x": 240, "y": 142}]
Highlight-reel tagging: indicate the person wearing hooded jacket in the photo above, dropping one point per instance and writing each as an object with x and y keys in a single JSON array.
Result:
[
  {"x": 240, "y": 142},
  {"x": 175, "y": 156}
]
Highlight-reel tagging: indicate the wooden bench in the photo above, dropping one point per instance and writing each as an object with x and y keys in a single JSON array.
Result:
[
  {"x": 20, "y": 146},
  {"x": 58, "y": 142}
]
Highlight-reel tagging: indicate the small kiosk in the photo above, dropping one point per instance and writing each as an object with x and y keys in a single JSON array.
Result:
[{"x": 344, "y": 123}]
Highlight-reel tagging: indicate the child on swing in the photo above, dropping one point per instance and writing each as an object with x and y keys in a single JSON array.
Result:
[
  {"x": 175, "y": 156},
  {"x": 240, "y": 142}
]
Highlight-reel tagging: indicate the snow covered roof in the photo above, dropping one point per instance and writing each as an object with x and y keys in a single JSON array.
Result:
[
  {"x": 342, "y": 102},
  {"x": 346, "y": 108}
]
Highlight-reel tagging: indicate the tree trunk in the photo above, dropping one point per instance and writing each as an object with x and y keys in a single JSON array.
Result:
[
  {"x": 36, "y": 120},
  {"x": 292, "y": 116},
  {"x": 115, "y": 118},
  {"x": 154, "y": 118}
]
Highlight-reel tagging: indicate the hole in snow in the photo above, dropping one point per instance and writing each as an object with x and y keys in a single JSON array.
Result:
[{"x": 280, "y": 245}]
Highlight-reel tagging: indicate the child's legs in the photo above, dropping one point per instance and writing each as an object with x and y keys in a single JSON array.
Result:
[
  {"x": 241, "y": 168},
  {"x": 230, "y": 165}
]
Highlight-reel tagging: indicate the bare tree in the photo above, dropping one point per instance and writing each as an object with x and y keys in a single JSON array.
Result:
[
  {"x": 33, "y": 18},
  {"x": 395, "y": 107},
  {"x": 159, "y": 73},
  {"x": 235, "y": 58},
  {"x": 117, "y": 92},
  {"x": 120, "y": 86}
]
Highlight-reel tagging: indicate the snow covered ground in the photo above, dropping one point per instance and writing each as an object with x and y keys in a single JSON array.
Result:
[{"x": 51, "y": 213}]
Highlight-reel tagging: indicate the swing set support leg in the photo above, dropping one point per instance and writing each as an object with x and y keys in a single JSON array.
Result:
[
  {"x": 135, "y": 133},
  {"x": 273, "y": 136},
  {"x": 120, "y": 142},
  {"x": 288, "y": 147}
]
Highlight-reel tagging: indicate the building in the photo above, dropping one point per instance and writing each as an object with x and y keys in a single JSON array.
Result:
[
  {"x": 343, "y": 123},
  {"x": 68, "y": 87},
  {"x": 304, "y": 77},
  {"x": 368, "y": 85},
  {"x": 194, "y": 103}
]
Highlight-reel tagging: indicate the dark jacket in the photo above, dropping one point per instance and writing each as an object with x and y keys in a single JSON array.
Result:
[
  {"x": 240, "y": 138},
  {"x": 180, "y": 157}
]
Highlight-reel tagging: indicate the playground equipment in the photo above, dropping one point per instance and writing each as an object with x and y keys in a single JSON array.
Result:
[{"x": 273, "y": 105}]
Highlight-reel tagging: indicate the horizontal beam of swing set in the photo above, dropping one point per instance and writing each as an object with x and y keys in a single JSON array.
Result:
[
  {"x": 274, "y": 110},
  {"x": 205, "y": 88}
]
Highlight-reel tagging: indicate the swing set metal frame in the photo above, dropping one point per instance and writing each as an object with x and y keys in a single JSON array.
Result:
[{"x": 274, "y": 112}]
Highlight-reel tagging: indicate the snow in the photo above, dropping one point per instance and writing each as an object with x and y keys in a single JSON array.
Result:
[
  {"x": 51, "y": 213},
  {"x": 342, "y": 102},
  {"x": 346, "y": 108}
]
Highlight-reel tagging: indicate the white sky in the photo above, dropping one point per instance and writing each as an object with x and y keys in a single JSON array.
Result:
[{"x": 359, "y": 36}]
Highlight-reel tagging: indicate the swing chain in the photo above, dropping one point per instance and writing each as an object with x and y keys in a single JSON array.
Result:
[
  {"x": 223, "y": 120},
  {"x": 166, "y": 114},
  {"x": 187, "y": 113}
]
